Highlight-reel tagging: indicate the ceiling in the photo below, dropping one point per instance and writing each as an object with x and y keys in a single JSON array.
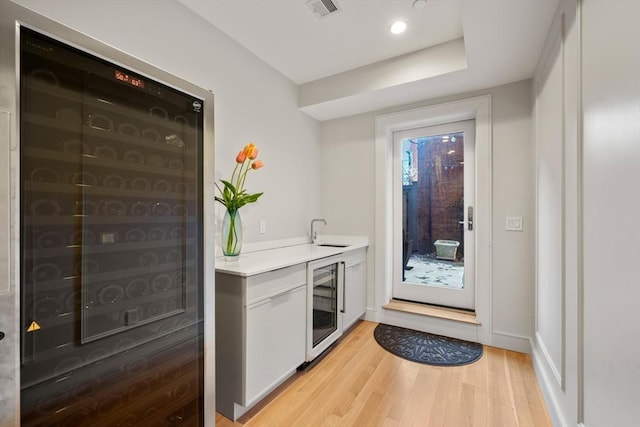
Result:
[{"x": 353, "y": 49}]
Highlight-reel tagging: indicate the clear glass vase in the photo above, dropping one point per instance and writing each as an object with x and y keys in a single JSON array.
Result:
[{"x": 231, "y": 236}]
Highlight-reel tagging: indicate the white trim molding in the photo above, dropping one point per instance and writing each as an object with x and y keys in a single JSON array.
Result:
[
  {"x": 478, "y": 108},
  {"x": 554, "y": 56},
  {"x": 511, "y": 341},
  {"x": 547, "y": 357},
  {"x": 557, "y": 341},
  {"x": 550, "y": 392}
]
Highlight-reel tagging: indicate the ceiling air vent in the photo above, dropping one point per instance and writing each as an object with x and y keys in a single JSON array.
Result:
[{"x": 323, "y": 8}]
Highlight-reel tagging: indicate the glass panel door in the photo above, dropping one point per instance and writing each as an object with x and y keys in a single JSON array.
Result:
[
  {"x": 325, "y": 281},
  {"x": 433, "y": 215},
  {"x": 111, "y": 295},
  {"x": 325, "y": 300}
]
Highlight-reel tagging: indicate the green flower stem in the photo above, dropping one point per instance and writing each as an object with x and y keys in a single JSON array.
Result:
[
  {"x": 244, "y": 177},
  {"x": 232, "y": 238},
  {"x": 234, "y": 173}
]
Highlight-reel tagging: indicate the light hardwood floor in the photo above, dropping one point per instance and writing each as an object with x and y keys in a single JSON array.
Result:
[{"x": 361, "y": 384}]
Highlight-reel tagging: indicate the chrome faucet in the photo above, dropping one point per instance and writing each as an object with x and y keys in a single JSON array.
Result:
[{"x": 314, "y": 235}]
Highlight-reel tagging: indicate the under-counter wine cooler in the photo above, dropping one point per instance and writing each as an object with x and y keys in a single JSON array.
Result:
[
  {"x": 325, "y": 281},
  {"x": 110, "y": 239}
]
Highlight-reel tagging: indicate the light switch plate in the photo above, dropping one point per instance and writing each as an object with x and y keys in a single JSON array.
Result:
[
  {"x": 514, "y": 223},
  {"x": 263, "y": 227}
]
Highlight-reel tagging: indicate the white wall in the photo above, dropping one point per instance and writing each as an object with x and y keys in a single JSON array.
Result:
[
  {"x": 611, "y": 109},
  {"x": 550, "y": 210},
  {"x": 348, "y": 205},
  {"x": 556, "y": 135},
  {"x": 253, "y": 102},
  {"x": 587, "y": 292}
]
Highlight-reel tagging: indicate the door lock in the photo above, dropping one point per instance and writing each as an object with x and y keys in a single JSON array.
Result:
[{"x": 470, "y": 218}]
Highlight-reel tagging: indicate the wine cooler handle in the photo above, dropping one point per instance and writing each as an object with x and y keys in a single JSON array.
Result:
[{"x": 344, "y": 285}]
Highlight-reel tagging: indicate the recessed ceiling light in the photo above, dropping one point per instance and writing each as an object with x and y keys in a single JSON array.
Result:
[{"x": 398, "y": 27}]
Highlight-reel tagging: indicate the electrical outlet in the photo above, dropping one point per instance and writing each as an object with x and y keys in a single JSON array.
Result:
[
  {"x": 263, "y": 226},
  {"x": 514, "y": 223}
]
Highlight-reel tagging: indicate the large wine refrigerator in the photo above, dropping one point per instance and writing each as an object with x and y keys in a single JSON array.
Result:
[{"x": 111, "y": 240}]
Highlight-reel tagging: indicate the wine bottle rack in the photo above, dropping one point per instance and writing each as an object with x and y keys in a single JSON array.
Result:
[{"x": 111, "y": 207}]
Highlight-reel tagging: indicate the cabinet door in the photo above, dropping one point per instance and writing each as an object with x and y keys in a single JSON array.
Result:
[
  {"x": 276, "y": 331},
  {"x": 355, "y": 293}
]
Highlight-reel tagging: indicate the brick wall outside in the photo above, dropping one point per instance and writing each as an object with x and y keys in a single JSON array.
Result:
[{"x": 439, "y": 193}]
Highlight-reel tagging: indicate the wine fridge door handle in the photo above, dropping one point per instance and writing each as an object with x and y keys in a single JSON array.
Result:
[{"x": 344, "y": 285}]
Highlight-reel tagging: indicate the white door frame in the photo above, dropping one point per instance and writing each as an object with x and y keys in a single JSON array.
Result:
[
  {"x": 445, "y": 296},
  {"x": 478, "y": 108}
]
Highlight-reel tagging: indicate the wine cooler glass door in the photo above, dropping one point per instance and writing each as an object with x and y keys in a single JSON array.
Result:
[
  {"x": 325, "y": 297},
  {"x": 111, "y": 247}
]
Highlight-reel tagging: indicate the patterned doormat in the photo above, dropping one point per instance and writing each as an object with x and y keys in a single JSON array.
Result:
[{"x": 423, "y": 347}]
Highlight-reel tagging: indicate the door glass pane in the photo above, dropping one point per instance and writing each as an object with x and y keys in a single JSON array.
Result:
[
  {"x": 433, "y": 210},
  {"x": 325, "y": 313}
]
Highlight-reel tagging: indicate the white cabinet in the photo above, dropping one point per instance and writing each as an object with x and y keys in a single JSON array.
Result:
[
  {"x": 264, "y": 321},
  {"x": 276, "y": 331},
  {"x": 355, "y": 283},
  {"x": 260, "y": 335}
]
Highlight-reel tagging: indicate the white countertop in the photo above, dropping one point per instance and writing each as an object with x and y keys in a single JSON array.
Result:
[{"x": 258, "y": 262}]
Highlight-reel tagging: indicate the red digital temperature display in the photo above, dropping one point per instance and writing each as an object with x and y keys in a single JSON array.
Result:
[{"x": 126, "y": 78}]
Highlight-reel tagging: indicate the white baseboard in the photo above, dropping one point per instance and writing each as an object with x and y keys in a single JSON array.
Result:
[
  {"x": 509, "y": 341},
  {"x": 450, "y": 328},
  {"x": 547, "y": 357},
  {"x": 548, "y": 385},
  {"x": 433, "y": 325}
]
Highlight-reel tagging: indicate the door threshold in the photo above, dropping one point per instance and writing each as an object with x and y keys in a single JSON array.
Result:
[{"x": 432, "y": 311}]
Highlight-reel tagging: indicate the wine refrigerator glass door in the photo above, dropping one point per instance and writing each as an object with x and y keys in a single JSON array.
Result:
[
  {"x": 325, "y": 279},
  {"x": 111, "y": 248}
]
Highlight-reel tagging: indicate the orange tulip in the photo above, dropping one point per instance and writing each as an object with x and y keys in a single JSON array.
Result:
[
  {"x": 257, "y": 164},
  {"x": 248, "y": 149},
  {"x": 241, "y": 157},
  {"x": 252, "y": 152}
]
